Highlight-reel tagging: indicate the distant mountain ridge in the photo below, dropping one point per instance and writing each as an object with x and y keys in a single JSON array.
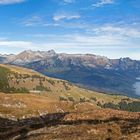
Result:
[
  {"x": 88, "y": 70},
  {"x": 87, "y": 60}
]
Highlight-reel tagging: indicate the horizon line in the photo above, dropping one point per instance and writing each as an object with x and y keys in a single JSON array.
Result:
[{"x": 58, "y": 52}]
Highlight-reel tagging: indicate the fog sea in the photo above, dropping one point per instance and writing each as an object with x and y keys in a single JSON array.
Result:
[{"x": 137, "y": 86}]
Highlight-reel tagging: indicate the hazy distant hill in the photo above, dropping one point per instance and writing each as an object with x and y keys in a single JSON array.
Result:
[{"x": 90, "y": 71}]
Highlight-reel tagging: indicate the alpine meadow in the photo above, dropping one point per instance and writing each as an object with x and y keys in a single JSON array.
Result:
[{"x": 69, "y": 70}]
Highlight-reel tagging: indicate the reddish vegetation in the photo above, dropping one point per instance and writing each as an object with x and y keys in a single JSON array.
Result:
[
  {"x": 69, "y": 114},
  {"x": 95, "y": 124},
  {"x": 102, "y": 114}
]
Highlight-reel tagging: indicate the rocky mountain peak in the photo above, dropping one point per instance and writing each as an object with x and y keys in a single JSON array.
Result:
[
  {"x": 51, "y": 52},
  {"x": 27, "y": 51}
]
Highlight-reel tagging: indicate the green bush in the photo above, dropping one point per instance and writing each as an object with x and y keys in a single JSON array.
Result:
[
  {"x": 71, "y": 99},
  {"x": 111, "y": 105},
  {"x": 83, "y": 99},
  {"x": 18, "y": 90},
  {"x": 51, "y": 82},
  {"x": 42, "y": 88},
  {"x": 61, "y": 98},
  {"x": 93, "y": 98},
  {"x": 123, "y": 105}
]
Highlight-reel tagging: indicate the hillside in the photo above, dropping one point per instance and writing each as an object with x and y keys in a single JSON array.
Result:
[
  {"x": 90, "y": 71},
  {"x": 27, "y": 82},
  {"x": 17, "y": 79},
  {"x": 36, "y": 117},
  {"x": 34, "y": 107}
]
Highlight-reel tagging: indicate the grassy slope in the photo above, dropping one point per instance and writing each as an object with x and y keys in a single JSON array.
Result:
[
  {"x": 90, "y": 120},
  {"x": 28, "y": 105},
  {"x": 47, "y": 101},
  {"x": 30, "y": 79}
]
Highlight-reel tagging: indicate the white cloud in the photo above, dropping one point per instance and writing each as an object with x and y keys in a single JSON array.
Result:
[
  {"x": 105, "y": 35},
  {"x": 69, "y": 1},
  {"x": 17, "y": 44},
  {"x": 102, "y": 3},
  {"x": 113, "y": 46},
  {"x": 100, "y": 40},
  {"x": 64, "y": 41},
  {"x": 37, "y": 21},
  {"x": 4, "y": 2},
  {"x": 32, "y": 21},
  {"x": 58, "y": 17},
  {"x": 113, "y": 30},
  {"x": 79, "y": 40}
]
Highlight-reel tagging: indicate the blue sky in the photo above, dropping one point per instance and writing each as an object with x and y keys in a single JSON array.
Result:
[{"x": 103, "y": 27}]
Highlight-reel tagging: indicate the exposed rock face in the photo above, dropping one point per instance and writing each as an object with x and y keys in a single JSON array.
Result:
[
  {"x": 28, "y": 56},
  {"x": 94, "y": 72},
  {"x": 51, "y": 58}
]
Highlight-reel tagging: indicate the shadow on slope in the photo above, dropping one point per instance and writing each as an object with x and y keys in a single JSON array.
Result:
[{"x": 20, "y": 129}]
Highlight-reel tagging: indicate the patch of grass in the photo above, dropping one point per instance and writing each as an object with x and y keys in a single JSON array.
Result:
[
  {"x": 51, "y": 82},
  {"x": 71, "y": 99},
  {"x": 4, "y": 85},
  {"x": 42, "y": 88},
  {"x": 123, "y": 105},
  {"x": 18, "y": 90},
  {"x": 61, "y": 98}
]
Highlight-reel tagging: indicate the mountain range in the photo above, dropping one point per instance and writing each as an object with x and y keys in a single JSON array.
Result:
[{"x": 116, "y": 76}]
